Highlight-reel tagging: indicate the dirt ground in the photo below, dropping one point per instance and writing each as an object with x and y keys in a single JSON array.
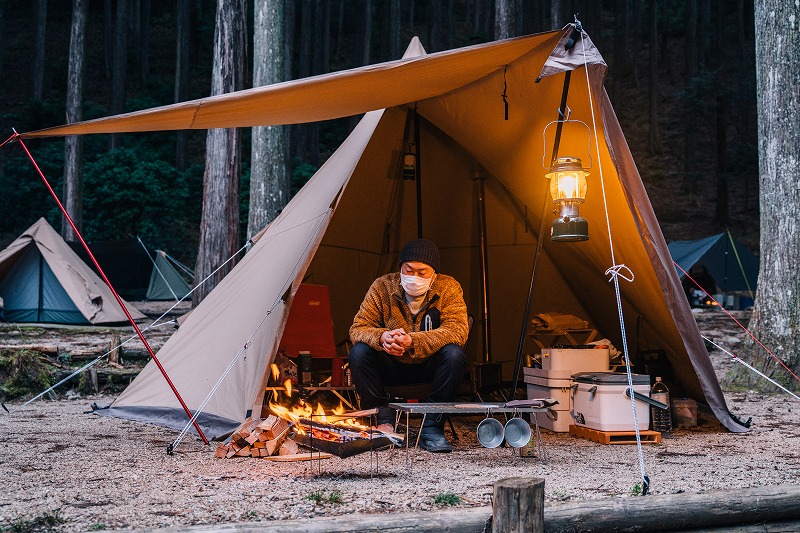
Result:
[{"x": 79, "y": 472}]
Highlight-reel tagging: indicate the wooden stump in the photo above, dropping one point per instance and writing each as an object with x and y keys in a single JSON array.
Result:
[
  {"x": 114, "y": 350},
  {"x": 518, "y": 505}
]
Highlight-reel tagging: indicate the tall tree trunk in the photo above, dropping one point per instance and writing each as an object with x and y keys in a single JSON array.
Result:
[
  {"x": 504, "y": 22},
  {"x": 690, "y": 114},
  {"x": 219, "y": 224},
  {"x": 2, "y": 45},
  {"x": 120, "y": 60},
  {"x": 394, "y": 30},
  {"x": 721, "y": 214},
  {"x": 558, "y": 16},
  {"x": 182, "y": 57},
  {"x": 519, "y": 17},
  {"x": 653, "y": 141},
  {"x": 776, "y": 316},
  {"x": 337, "y": 56},
  {"x": 73, "y": 144},
  {"x": 435, "y": 26},
  {"x": 40, "y": 27},
  {"x": 108, "y": 37},
  {"x": 620, "y": 50},
  {"x": 368, "y": 11},
  {"x": 144, "y": 41},
  {"x": 269, "y": 176},
  {"x": 326, "y": 37},
  {"x": 721, "y": 122},
  {"x": 450, "y": 24}
]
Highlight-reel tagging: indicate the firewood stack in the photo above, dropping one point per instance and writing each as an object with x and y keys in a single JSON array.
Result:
[{"x": 259, "y": 438}]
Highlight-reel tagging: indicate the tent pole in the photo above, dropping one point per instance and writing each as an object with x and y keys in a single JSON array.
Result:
[
  {"x": 418, "y": 173},
  {"x": 539, "y": 238},
  {"x": 484, "y": 255},
  {"x": 114, "y": 292}
]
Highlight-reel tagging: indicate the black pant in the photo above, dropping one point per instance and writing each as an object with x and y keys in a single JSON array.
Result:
[{"x": 372, "y": 369}]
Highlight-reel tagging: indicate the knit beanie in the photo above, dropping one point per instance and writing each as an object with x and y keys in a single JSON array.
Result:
[{"x": 421, "y": 250}]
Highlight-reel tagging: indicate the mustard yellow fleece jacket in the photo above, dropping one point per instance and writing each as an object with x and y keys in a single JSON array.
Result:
[{"x": 384, "y": 308}]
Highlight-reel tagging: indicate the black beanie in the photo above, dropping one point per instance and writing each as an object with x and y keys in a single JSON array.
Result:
[{"x": 421, "y": 250}]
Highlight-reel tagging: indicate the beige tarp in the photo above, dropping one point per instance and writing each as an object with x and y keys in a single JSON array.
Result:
[
  {"x": 87, "y": 292},
  {"x": 348, "y": 223}
]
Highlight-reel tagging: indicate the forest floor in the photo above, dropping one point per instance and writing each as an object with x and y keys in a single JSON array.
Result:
[{"x": 67, "y": 470}]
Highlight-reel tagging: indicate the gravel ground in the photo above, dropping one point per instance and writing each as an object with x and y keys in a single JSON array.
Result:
[{"x": 103, "y": 473}]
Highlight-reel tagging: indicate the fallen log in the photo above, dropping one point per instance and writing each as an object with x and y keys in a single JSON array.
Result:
[
  {"x": 677, "y": 512},
  {"x": 773, "y": 509}
]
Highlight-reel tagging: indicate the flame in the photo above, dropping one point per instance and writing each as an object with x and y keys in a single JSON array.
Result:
[
  {"x": 309, "y": 412},
  {"x": 288, "y": 386},
  {"x": 276, "y": 373}
]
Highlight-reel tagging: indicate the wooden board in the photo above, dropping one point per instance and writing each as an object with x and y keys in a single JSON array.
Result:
[
  {"x": 615, "y": 437},
  {"x": 299, "y": 457}
]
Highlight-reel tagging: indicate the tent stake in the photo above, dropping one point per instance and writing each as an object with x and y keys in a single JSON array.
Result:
[{"x": 113, "y": 291}]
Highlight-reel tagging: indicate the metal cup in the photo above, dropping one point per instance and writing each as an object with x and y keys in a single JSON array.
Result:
[
  {"x": 490, "y": 432},
  {"x": 517, "y": 432}
]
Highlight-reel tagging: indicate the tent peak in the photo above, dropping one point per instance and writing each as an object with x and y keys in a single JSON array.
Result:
[{"x": 415, "y": 48}]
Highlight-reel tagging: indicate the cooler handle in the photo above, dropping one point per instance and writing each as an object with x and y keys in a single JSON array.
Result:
[{"x": 646, "y": 399}]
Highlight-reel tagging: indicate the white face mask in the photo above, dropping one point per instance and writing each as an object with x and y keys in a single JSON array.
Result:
[{"x": 415, "y": 285}]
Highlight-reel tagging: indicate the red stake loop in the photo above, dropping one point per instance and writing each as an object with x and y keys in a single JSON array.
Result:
[{"x": 119, "y": 300}]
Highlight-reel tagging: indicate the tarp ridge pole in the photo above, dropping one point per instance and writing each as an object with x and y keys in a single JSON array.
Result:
[{"x": 113, "y": 291}]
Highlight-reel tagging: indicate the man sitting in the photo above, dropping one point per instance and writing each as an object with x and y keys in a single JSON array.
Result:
[{"x": 411, "y": 328}]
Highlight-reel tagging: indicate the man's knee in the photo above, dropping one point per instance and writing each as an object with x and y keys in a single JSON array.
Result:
[
  {"x": 453, "y": 356},
  {"x": 359, "y": 354}
]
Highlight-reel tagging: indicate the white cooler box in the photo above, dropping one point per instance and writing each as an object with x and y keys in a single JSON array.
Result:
[
  {"x": 599, "y": 401},
  {"x": 541, "y": 384},
  {"x": 576, "y": 359}
]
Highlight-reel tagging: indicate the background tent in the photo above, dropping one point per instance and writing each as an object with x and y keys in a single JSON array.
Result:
[
  {"x": 165, "y": 282},
  {"x": 733, "y": 267},
  {"x": 43, "y": 280},
  {"x": 349, "y": 222}
]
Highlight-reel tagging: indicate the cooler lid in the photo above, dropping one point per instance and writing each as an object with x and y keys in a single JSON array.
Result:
[{"x": 610, "y": 378}]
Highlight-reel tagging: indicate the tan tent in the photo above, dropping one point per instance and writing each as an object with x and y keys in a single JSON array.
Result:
[
  {"x": 43, "y": 280},
  {"x": 347, "y": 225}
]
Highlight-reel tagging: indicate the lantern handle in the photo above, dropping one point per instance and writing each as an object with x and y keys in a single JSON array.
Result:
[{"x": 567, "y": 120}]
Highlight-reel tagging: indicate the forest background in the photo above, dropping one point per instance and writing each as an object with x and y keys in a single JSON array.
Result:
[{"x": 681, "y": 79}]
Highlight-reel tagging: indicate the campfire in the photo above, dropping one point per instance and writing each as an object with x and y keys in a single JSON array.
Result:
[{"x": 333, "y": 432}]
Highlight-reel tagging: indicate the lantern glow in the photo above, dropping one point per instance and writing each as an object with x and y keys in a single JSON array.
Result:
[{"x": 568, "y": 189}]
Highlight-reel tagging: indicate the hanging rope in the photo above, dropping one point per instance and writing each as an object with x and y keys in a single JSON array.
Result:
[
  {"x": 279, "y": 299},
  {"x": 615, "y": 270},
  {"x": 749, "y": 333}
]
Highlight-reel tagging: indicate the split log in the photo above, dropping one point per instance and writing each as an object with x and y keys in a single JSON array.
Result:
[
  {"x": 518, "y": 505},
  {"x": 256, "y": 438}
]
